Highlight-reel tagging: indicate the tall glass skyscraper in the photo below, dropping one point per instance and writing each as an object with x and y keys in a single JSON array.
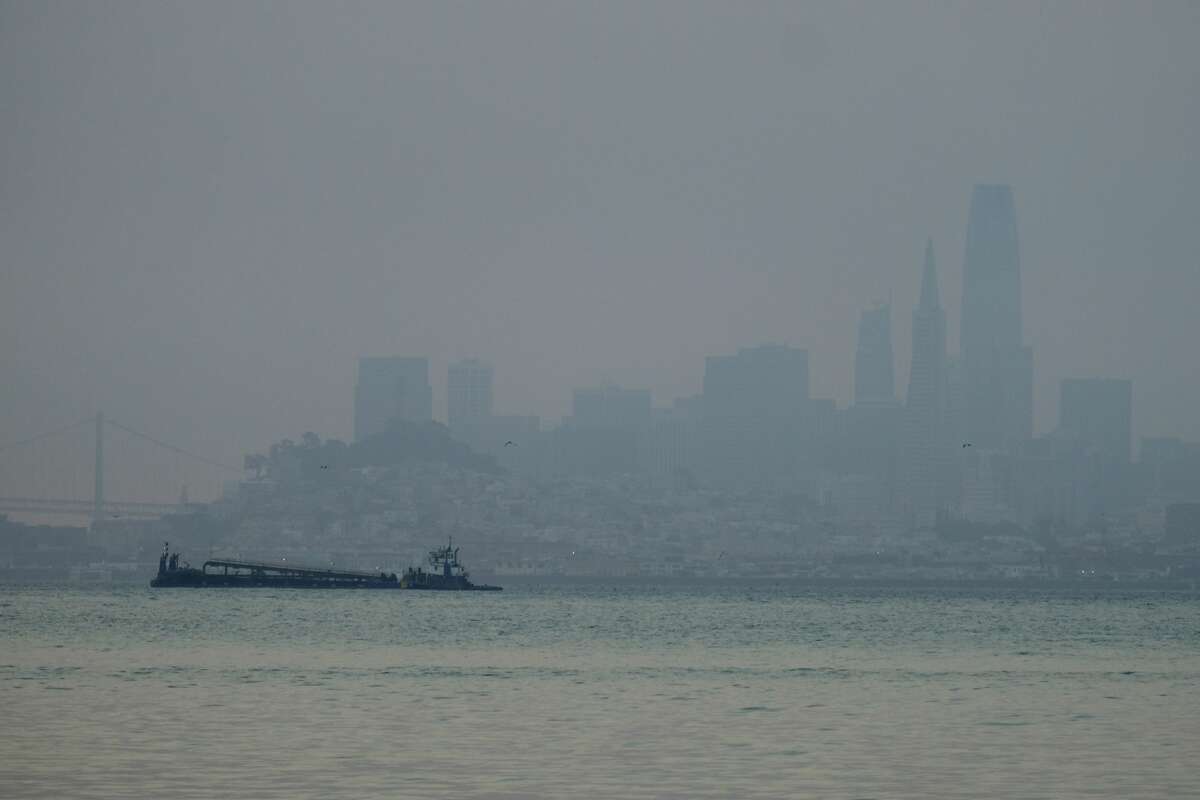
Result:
[{"x": 998, "y": 366}]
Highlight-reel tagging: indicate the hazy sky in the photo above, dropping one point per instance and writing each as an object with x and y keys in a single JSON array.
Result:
[{"x": 208, "y": 211}]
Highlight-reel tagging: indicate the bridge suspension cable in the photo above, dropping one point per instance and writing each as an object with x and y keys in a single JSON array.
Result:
[
  {"x": 171, "y": 447},
  {"x": 48, "y": 434}
]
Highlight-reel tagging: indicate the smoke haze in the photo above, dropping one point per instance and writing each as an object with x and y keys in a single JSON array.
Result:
[{"x": 209, "y": 211}]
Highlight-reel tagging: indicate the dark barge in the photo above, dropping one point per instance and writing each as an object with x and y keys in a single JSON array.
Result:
[{"x": 446, "y": 574}]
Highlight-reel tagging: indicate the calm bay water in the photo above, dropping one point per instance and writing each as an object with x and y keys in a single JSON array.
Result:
[{"x": 598, "y": 691}]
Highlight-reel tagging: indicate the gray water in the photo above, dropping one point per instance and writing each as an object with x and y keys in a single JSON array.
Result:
[{"x": 594, "y": 691}]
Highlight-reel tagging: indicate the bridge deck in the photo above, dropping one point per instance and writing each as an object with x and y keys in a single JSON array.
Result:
[{"x": 87, "y": 507}]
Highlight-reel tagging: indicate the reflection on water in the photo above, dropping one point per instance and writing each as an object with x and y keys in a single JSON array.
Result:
[{"x": 598, "y": 692}]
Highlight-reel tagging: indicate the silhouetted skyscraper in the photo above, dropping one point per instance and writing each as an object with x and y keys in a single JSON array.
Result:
[
  {"x": 998, "y": 367},
  {"x": 925, "y": 441},
  {"x": 765, "y": 382},
  {"x": 874, "y": 381},
  {"x": 1098, "y": 412},
  {"x": 611, "y": 407},
  {"x": 756, "y": 412},
  {"x": 867, "y": 448},
  {"x": 390, "y": 389},
  {"x": 606, "y": 432},
  {"x": 468, "y": 393}
]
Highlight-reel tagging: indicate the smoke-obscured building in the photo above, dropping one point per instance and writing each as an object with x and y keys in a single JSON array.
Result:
[
  {"x": 756, "y": 414},
  {"x": 1054, "y": 479},
  {"x": 926, "y": 450},
  {"x": 874, "y": 379},
  {"x": 863, "y": 449},
  {"x": 606, "y": 432},
  {"x": 468, "y": 393},
  {"x": 1182, "y": 525},
  {"x": 998, "y": 366},
  {"x": 668, "y": 452},
  {"x": 608, "y": 407},
  {"x": 390, "y": 389},
  {"x": 1170, "y": 469},
  {"x": 1099, "y": 412},
  {"x": 859, "y": 453},
  {"x": 765, "y": 382},
  {"x": 1095, "y": 416}
]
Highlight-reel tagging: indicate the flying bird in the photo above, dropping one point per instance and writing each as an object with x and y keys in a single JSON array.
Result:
[
  {"x": 510, "y": 443},
  {"x": 966, "y": 444}
]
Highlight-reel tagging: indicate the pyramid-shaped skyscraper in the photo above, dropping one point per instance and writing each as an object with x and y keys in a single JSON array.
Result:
[{"x": 926, "y": 442}]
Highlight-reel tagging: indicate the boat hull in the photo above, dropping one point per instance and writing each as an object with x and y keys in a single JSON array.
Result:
[
  {"x": 253, "y": 582},
  {"x": 471, "y": 588},
  {"x": 195, "y": 579}
]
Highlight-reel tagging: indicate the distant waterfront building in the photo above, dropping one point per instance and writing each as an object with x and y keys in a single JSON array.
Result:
[
  {"x": 874, "y": 379},
  {"x": 1099, "y": 412},
  {"x": 1182, "y": 524},
  {"x": 1171, "y": 468},
  {"x": 756, "y": 417},
  {"x": 667, "y": 452},
  {"x": 864, "y": 443},
  {"x": 861, "y": 447},
  {"x": 998, "y": 366},
  {"x": 1095, "y": 418},
  {"x": 926, "y": 445},
  {"x": 956, "y": 400},
  {"x": 1054, "y": 479},
  {"x": 766, "y": 382},
  {"x": 605, "y": 434},
  {"x": 956, "y": 431},
  {"x": 611, "y": 407},
  {"x": 468, "y": 393},
  {"x": 984, "y": 486},
  {"x": 391, "y": 389}
]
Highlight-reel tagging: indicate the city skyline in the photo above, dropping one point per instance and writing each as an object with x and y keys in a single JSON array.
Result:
[
  {"x": 812, "y": 384},
  {"x": 398, "y": 386},
  {"x": 216, "y": 283}
]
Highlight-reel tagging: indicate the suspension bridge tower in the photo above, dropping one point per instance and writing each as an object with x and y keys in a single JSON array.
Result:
[
  {"x": 98, "y": 490},
  {"x": 28, "y": 468}
]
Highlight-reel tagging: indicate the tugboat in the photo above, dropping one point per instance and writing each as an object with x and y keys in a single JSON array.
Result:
[
  {"x": 446, "y": 574},
  {"x": 170, "y": 573}
]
